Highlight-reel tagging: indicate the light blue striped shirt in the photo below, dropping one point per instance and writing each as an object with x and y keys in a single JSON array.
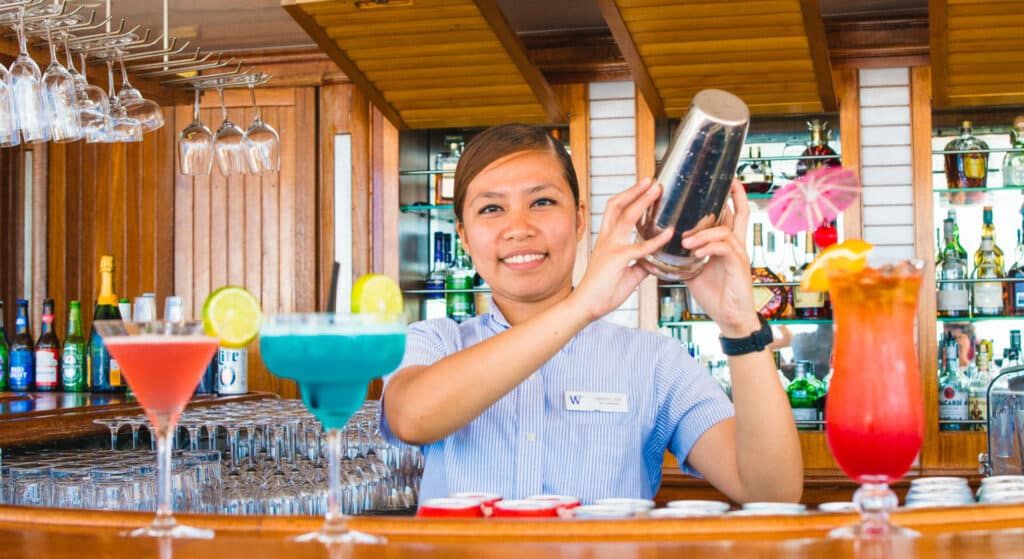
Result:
[{"x": 528, "y": 442}]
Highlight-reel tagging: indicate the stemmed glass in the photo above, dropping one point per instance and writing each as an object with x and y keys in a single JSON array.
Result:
[
  {"x": 262, "y": 144},
  {"x": 9, "y": 134},
  {"x": 228, "y": 143},
  {"x": 195, "y": 145},
  {"x": 93, "y": 104},
  {"x": 122, "y": 127},
  {"x": 163, "y": 362},
  {"x": 30, "y": 109},
  {"x": 61, "y": 98},
  {"x": 874, "y": 439},
  {"x": 367, "y": 345},
  {"x": 148, "y": 113}
]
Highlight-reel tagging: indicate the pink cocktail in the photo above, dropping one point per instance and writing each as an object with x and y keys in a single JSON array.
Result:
[
  {"x": 163, "y": 362},
  {"x": 875, "y": 405}
]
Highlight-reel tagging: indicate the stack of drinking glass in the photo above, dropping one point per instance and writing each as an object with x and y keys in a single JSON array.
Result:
[{"x": 265, "y": 457}]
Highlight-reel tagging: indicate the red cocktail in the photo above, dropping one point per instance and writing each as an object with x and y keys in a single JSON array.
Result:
[{"x": 875, "y": 405}]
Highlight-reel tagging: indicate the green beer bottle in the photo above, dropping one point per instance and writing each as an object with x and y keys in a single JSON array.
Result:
[
  {"x": 5, "y": 351},
  {"x": 73, "y": 359}
]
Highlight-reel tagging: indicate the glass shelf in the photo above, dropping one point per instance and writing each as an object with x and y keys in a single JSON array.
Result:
[
  {"x": 432, "y": 291},
  {"x": 758, "y": 284},
  {"x": 427, "y": 208},
  {"x": 426, "y": 172},
  {"x": 1009, "y": 187},
  {"x": 792, "y": 158},
  {"x": 977, "y": 318},
  {"x": 779, "y": 321},
  {"x": 966, "y": 151}
]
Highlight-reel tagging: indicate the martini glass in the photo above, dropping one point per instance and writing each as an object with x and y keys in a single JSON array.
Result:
[
  {"x": 875, "y": 405},
  {"x": 333, "y": 357},
  {"x": 163, "y": 362}
]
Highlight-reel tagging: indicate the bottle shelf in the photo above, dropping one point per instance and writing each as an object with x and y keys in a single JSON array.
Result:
[
  {"x": 980, "y": 280},
  {"x": 427, "y": 208},
  {"x": 977, "y": 318},
  {"x": 758, "y": 284},
  {"x": 778, "y": 321},
  {"x": 425, "y": 172},
  {"x": 793, "y": 157},
  {"x": 993, "y": 189},
  {"x": 966, "y": 151}
]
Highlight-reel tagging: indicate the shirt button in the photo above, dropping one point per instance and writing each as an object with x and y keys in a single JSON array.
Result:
[{"x": 531, "y": 437}]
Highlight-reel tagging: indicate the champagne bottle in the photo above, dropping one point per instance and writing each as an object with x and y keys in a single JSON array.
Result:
[{"x": 104, "y": 372}]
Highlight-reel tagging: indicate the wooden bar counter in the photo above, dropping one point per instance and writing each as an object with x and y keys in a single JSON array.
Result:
[{"x": 977, "y": 531}]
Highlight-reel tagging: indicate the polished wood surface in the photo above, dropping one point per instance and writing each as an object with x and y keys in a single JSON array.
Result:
[
  {"x": 848, "y": 87},
  {"x": 46, "y": 418},
  {"x": 967, "y": 532},
  {"x": 772, "y": 53},
  {"x": 386, "y": 49},
  {"x": 638, "y": 68}
]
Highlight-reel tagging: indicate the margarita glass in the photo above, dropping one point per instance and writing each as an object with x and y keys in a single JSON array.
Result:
[
  {"x": 163, "y": 362},
  {"x": 875, "y": 405},
  {"x": 333, "y": 357}
]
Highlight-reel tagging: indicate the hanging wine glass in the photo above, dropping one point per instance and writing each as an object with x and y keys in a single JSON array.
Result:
[
  {"x": 9, "y": 134},
  {"x": 228, "y": 143},
  {"x": 61, "y": 98},
  {"x": 262, "y": 144},
  {"x": 148, "y": 113},
  {"x": 195, "y": 145},
  {"x": 92, "y": 101},
  {"x": 122, "y": 127},
  {"x": 29, "y": 107}
]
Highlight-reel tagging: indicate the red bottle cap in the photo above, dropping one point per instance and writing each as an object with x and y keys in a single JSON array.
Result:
[
  {"x": 450, "y": 508},
  {"x": 563, "y": 503},
  {"x": 525, "y": 509},
  {"x": 484, "y": 498}
]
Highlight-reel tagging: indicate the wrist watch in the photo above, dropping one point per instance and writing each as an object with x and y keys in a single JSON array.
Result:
[{"x": 749, "y": 344}]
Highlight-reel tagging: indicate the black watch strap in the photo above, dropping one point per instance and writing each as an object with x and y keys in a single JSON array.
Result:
[{"x": 749, "y": 344}]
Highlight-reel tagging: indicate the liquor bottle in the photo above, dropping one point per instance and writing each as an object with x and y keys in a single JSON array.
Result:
[
  {"x": 803, "y": 398},
  {"x": 809, "y": 305},
  {"x": 5, "y": 352},
  {"x": 22, "y": 376},
  {"x": 693, "y": 309},
  {"x": 444, "y": 182},
  {"x": 434, "y": 304},
  {"x": 961, "y": 252},
  {"x": 459, "y": 283},
  {"x": 789, "y": 270},
  {"x": 232, "y": 371},
  {"x": 977, "y": 388},
  {"x": 988, "y": 296},
  {"x": 47, "y": 352},
  {"x": 988, "y": 229},
  {"x": 952, "y": 391},
  {"x": 1015, "y": 289},
  {"x": 1013, "y": 356},
  {"x": 1013, "y": 161},
  {"x": 73, "y": 357},
  {"x": 104, "y": 372},
  {"x": 819, "y": 387},
  {"x": 967, "y": 167},
  {"x": 820, "y": 133},
  {"x": 769, "y": 302},
  {"x": 752, "y": 174},
  {"x": 953, "y": 296}
]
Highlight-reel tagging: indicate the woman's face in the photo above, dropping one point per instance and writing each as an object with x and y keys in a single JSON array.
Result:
[{"x": 520, "y": 225}]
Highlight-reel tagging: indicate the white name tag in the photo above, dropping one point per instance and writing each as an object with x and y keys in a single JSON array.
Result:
[{"x": 596, "y": 401}]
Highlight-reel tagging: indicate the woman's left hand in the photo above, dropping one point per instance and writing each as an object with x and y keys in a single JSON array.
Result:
[{"x": 723, "y": 288}]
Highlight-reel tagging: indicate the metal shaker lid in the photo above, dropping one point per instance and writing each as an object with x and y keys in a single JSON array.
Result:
[{"x": 722, "y": 106}]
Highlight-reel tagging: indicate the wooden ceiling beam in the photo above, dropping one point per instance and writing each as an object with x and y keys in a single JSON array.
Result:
[
  {"x": 817, "y": 45},
  {"x": 319, "y": 36},
  {"x": 621, "y": 33},
  {"x": 491, "y": 12}
]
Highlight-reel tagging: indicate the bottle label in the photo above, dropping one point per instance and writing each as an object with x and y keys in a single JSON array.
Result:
[
  {"x": 953, "y": 300},
  {"x": 803, "y": 299},
  {"x": 977, "y": 407},
  {"x": 72, "y": 372},
  {"x": 22, "y": 370},
  {"x": 988, "y": 296},
  {"x": 805, "y": 414},
  {"x": 46, "y": 369},
  {"x": 974, "y": 166},
  {"x": 952, "y": 403},
  {"x": 115, "y": 372},
  {"x": 1018, "y": 295},
  {"x": 762, "y": 296},
  {"x": 232, "y": 368}
]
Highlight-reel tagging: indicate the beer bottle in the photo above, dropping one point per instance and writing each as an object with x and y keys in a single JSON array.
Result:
[
  {"x": 47, "y": 352},
  {"x": 23, "y": 366},
  {"x": 73, "y": 358}
]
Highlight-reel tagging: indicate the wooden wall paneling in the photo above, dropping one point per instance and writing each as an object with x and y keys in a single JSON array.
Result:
[
  {"x": 645, "y": 168},
  {"x": 359, "y": 128},
  {"x": 333, "y": 103},
  {"x": 306, "y": 198},
  {"x": 57, "y": 237},
  {"x": 137, "y": 166},
  {"x": 384, "y": 174},
  {"x": 286, "y": 203},
  {"x": 848, "y": 86},
  {"x": 118, "y": 209},
  {"x": 164, "y": 200},
  {"x": 220, "y": 224},
  {"x": 270, "y": 255},
  {"x": 184, "y": 223}
]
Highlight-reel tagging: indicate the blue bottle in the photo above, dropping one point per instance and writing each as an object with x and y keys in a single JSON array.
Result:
[{"x": 23, "y": 365}]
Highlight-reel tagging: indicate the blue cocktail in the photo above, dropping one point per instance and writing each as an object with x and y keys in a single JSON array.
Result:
[{"x": 333, "y": 358}]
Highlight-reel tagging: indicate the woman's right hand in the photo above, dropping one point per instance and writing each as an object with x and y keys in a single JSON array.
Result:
[{"x": 612, "y": 273}]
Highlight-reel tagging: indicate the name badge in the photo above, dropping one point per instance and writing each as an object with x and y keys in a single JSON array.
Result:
[{"x": 596, "y": 401}]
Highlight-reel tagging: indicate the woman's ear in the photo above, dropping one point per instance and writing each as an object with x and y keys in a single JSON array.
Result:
[
  {"x": 460, "y": 230},
  {"x": 581, "y": 221}
]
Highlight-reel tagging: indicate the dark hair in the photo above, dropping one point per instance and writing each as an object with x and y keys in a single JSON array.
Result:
[{"x": 505, "y": 139}]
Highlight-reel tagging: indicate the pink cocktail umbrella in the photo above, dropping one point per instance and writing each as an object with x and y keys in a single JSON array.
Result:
[{"x": 814, "y": 198}]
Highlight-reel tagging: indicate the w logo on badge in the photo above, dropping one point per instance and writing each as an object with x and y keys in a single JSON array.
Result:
[{"x": 575, "y": 399}]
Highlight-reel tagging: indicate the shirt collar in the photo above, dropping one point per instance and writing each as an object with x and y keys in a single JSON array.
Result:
[{"x": 500, "y": 323}]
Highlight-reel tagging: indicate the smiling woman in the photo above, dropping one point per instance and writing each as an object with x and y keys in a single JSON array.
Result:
[{"x": 541, "y": 396}]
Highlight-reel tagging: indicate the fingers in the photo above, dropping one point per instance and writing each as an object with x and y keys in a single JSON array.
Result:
[
  {"x": 742, "y": 208},
  {"x": 622, "y": 200},
  {"x": 631, "y": 214},
  {"x": 713, "y": 234},
  {"x": 726, "y": 248},
  {"x": 649, "y": 246}
]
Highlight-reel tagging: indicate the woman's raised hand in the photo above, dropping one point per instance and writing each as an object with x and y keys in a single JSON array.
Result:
[{"x": 612, "y": 273}]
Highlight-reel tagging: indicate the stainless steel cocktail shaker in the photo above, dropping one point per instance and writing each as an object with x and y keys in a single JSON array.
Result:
[{"x": 695, "y": 175}]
